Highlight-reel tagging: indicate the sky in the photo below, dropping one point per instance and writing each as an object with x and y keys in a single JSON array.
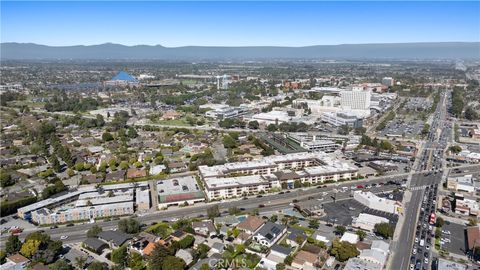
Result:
[{"x": 174, "y": 24}]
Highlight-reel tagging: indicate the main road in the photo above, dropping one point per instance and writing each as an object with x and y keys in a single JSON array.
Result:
[{"x": 271, "y": 202}]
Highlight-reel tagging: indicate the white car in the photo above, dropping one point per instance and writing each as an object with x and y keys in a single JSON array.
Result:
[
  {"x": 63, "y": 237},
  {"x": 427, "y": 247},
  {"x": 414, "y": 251},
  {"x": 426, "y": 260},
  {"x": 416, "y": 239}
]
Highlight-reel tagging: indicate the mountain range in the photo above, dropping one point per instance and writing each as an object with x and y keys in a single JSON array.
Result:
[{"x": 429, "y": 50}]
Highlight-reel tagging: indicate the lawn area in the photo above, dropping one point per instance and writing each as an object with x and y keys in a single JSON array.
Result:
[
  {"x": 176, "y": 122},
  {"x": 257, "y": 247},
  {"x": 160, "y": 229},
  {"x": 308, "y": 231}
]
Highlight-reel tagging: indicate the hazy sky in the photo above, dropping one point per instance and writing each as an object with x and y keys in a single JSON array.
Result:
[{"x": 237, "y": 23}]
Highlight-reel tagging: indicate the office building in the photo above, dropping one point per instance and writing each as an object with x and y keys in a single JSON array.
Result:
[{"x": 372, "y": 201}]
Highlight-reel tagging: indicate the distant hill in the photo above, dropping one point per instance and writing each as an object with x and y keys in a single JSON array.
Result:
[{"x": 434, "y": 50}]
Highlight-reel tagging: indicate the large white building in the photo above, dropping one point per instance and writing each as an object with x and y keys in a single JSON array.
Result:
[
  {"x": 372, "y": 201},
  {"x": 356, "y": 99},
  {"x": 367, "y": 222},
  {"x": 461, "y": 183},
  {"x": 252, "y": 177},
  {"x": 343, "y": 118},
  {"x": 88, "y": 203},
  {"x": 313, "y": 143}
]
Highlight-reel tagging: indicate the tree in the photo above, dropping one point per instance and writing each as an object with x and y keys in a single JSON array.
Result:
[
  {"x": 129, "y": 225},
  {"x": 79, "y": 166},
  {"x": 233, "y": 210},
  {"x": 97, "y": 266},
  {"x": 472, "y": 222},
  {"x": 205, "y": 267},
  {"x": 455, "y": 149},
  {"x": 471, "y": 113},
  {"x": 173, "y": 263},
  {"x": 54, "y": 163},
  {"x": 272, "y": 127},
  {"x": 340, "y": 230},
  {"x": 229, "y": 142},
  {"x": 440, "y": 222},
  {"x": 94, "y": 231},
  {"x": 314, "y": 224},
  {"x": 30, "y": 247},
  {"x": 132, "y": 133},
  {"x": 13, "y": 244},
  {"x": 124, "y": 165},
  {"x": 5, "y": 179},
  {"x": 3, "y": 256},
  {"x": 107, "y": 136},
  {"x": 157, "y": 256},
  {"x": 384, "y": 229},
  {"x": 186, "y": 242},
  {"x": 135, "y": 261},
  {"x": 61, "y": 265},
  {"x": 280, "y": 266},
  {"x": 80, "y": 262},
  {"x": 343, "y": 250},
  {"x": 253, "y": 125},
  {"x": 213, "y": 212},
  {"x": 99, "y": 121},
  {"x": 119, "y": 255},
  {"x": 361, "y": 234}
]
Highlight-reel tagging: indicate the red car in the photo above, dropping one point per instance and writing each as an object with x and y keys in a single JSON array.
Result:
[{"x": 360, "y": 186}]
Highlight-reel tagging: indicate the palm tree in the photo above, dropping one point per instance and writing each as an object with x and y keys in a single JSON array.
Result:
[{"x": 80, "y": 262}]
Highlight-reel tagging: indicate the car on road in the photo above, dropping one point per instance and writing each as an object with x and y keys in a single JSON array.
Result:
[
  {"x": 63, "y": 237},
  {"x": 426, "y": 260}
]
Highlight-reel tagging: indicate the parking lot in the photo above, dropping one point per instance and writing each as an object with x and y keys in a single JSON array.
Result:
[
  {"x": 402, "y": 129},
  {"x": 343, "y": 212},
  {"x": 456, "y": 243}
]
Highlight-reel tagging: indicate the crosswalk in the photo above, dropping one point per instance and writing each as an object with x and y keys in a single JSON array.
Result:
[{"x": 418, "y": 188}]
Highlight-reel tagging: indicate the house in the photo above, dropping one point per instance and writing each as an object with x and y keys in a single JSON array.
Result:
[
  {"x": 92, "y": 178},
  {"x": 178, "y": 235},
  {"x": 198, "y": 240},
  {"x": 136, "y": 173},
  {"x": 39, "y": 266},
  {"x": 176, "y": 167},
  {"x": 114, "y": 238},
  {"x": 305, "y": 260},
  {"x": 156, "y": 169},
  {"x": 211, "y": 261},
  {"x": 324, "y": 234},
  {"x": 295, "y": 237},
  {"x": 151, "y": 246},
  {"x": 74, "y": 253},
  {"x": 276, "y": 256},
  {"x": 204, "y": 228},
  {"x": 350, "y": 237},
  {"x": 95, "y": 245},
  {"x": 280, "y": 251},
  {"x": 171, "y": 115},
  {"x": 185, "y": 255},
  {"x": 251, "y": 224},
  {"x": 118, "y": 175},
  {"x": 15, "y": 262},
  {"x": 269, "y": 233},
  {"x": 242, "y": 238},
  {"x": 377, "y": 253},
  {"x": 217, "y": 247},
  {"x": 227, "y": 220}
]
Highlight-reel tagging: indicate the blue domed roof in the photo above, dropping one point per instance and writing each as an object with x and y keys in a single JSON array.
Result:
[{"x": 124, "y": 76}]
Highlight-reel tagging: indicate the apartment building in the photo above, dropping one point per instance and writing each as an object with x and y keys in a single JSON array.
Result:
[{"x": 253, "y": 177}]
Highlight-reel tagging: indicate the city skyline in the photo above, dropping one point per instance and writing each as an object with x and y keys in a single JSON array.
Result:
[{"x": 238, "y": 23}]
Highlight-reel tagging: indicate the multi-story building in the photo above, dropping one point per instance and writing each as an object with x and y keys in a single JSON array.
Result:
[
  {"x": 343, "y": 118},
  {"x": 388, "y": 81},
  {"x": 313, "y": 143},
  {"x": 88, "y": 203},
  {"x": 372, "y": 201},
  {"x": 356, "y": 99},
  {"x": 252, "y": 177}
]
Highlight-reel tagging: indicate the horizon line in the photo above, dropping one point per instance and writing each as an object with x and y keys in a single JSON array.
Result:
[{"x": 236, "y": 46}]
